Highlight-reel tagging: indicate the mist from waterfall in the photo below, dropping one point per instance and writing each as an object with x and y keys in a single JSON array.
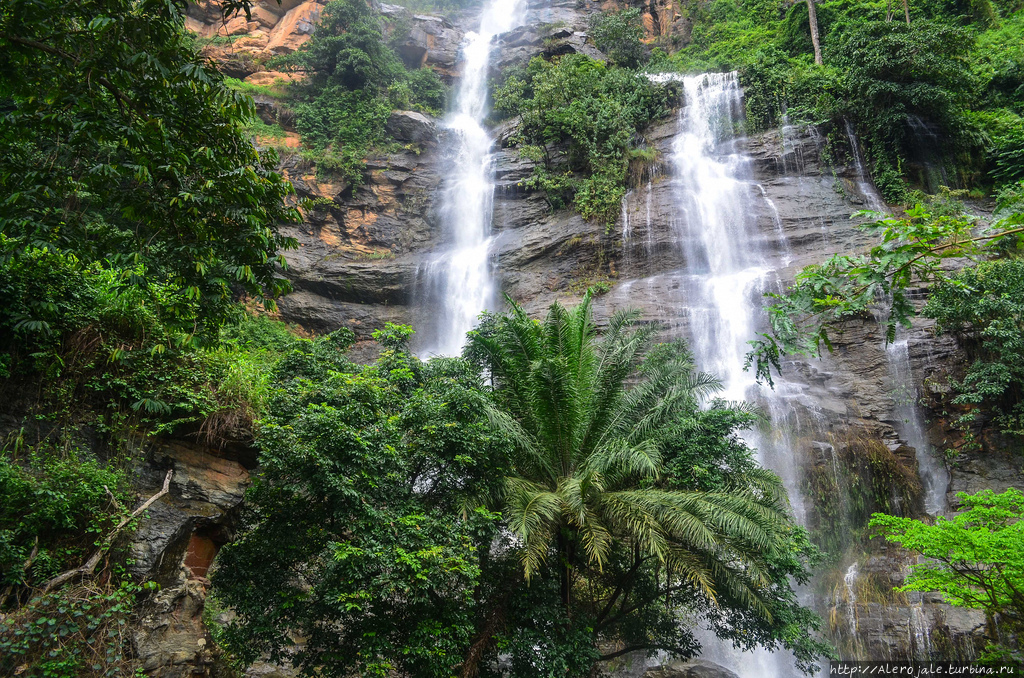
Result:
[{"x": 456, "y": 283}]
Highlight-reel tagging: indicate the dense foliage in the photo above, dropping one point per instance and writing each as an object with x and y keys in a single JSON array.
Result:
[
  {"x": 620, "y": 36},
  {"x": 135, "y": 211},
  {"x": 401, "y": 491},
  {"x": 982, "y": 306},
  {"x": 55, "y": 505},
  {"x": 355, "y": 80},
  {"x": 121, "y": 148},
  {"x": 579, "y": 119},
  {"x": 368, "y": 485},
  {"x": 975, "y": 560}
]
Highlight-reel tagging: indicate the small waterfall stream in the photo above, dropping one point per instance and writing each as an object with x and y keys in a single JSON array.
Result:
[
  {"x": 903, "y": 385},
  {"x": 457, "y": 282},
  {"x": 930, "y": 467}
]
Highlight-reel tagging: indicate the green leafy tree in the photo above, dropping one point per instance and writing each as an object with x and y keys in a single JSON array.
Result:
[
  {"x": 891, "y": 70},
  {"x": 598, "y": 497},
  {"x": 355, "y": 80},
  {"x": 975, "y": 560},
  {"x": 362, "y": 531},
  {"x": 119, "y": 145},
  {"x": 620, "y": 36},
  {"x": 982, "y": 307}
]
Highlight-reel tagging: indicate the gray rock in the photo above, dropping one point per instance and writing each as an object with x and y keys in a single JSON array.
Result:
[
  {"x": 431, "y": 41},
  {"x": 695, "y": 668},
  {"x": 412, "y": 127}
]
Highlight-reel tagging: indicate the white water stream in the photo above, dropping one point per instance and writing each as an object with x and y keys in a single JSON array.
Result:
[
  {"x": 729, "y": 266},
  {"x": 458, "y": 282},
  {"x": 903, "y": 385}
]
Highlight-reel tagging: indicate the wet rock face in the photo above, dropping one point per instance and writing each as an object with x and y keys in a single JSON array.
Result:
[{"x": 426, "y": 40}]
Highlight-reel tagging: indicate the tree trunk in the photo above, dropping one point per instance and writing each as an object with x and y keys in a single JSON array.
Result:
[
  {"x": 906, "y": 11},
  {"x": 812, "y": 15},
  {"x": 563, "y": 556}
]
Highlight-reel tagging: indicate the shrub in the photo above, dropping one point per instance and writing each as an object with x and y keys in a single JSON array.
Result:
[
  {"x": 595, "y": 111},
  {"x": 983, "y": 306},
  {"x": 620, "y": 36}
]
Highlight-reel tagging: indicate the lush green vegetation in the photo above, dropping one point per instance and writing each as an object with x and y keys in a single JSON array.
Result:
[
  {"x": 955, "y": 67},
  {"x": 579, "y": 119},
  {"x": 355, "y": 80},
  {"x": 56, "y": 505},
  {"x": 975, "y": 560},
  {"x": 136, "y": 211},
  {"x": 119, "y": 147},
  {"x": 580, "y": 495},
  {"x": 982, "y": 306}
]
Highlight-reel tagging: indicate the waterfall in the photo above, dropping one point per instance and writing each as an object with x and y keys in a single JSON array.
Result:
[
  {"x": 930, "y": 468},
  {"x": 729, "y": 267},
  {"x": 457, "y": 280},
  {"x": 864, "y": 185},
  {"x": 909, "y": 424}
]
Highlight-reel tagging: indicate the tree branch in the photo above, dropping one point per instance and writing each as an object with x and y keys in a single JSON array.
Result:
[
  {"x": 625, "y": 650},
  {"x": 119, "y": 96},
  {"x": 97, "y": 555}
]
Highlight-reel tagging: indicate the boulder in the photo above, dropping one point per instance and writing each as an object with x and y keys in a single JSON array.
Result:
[
  {"x": 696, "y": 668},
  {"x": 431, "y": 41},
  {"x": 412, "y": 127},
  {"x": 237, "y": 25},
  {"x": 295, "y": 28}
]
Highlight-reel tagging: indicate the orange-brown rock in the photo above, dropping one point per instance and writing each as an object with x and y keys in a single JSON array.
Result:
[
  {"x": 252, "y": 42},
  {"x": 234, "y": 26},
  {"x": 661, "y": 18},
  {"x": 295, "y": 28},
  {"x": 266, "y": 16},
  {"x": 271, "y": 29}
]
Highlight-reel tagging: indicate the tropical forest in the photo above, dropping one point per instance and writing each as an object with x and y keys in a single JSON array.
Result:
[{"x": 511, "y": 338}]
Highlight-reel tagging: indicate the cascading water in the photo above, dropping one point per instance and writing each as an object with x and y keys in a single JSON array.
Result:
[
  {"x": 729, "y": 265},
  {"x": 457, "y": 281},
  {"x": 874, "y": 201}
]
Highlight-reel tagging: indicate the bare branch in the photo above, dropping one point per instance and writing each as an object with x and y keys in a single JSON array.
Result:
[{"x": 90, "y": 565}]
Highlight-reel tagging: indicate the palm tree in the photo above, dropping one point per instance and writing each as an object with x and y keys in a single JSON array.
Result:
[{"x": 585, "y": 412}]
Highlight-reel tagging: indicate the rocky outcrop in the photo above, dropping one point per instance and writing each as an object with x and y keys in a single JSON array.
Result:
[
  {"x": 425, "y": 40},
  {"x": 696, "y": 668},
  {"x": 662, "y": 19},
  {"x": 175, "y": 545},
  {"x": 238, "y": 45},
  {"x": 412, "y": 127}
]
